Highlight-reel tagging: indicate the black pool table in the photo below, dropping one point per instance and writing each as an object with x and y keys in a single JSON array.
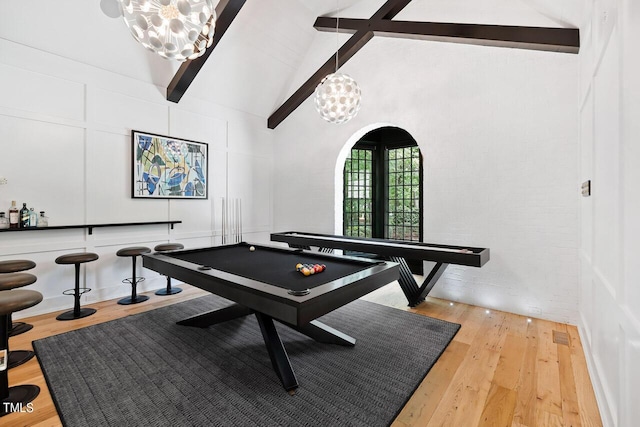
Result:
[
  {"x": 264, "y": 282},
  {"x": 395, "y": 250}
]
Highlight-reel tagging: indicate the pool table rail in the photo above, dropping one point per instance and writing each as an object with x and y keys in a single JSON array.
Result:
[{"x": 273, "y": 300}]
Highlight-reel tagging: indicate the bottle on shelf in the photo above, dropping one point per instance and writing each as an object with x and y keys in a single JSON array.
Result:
[
  {"x": 24, "y": 216},
  {"x": 33, "y": 218},
  {"x": 4, "y": 221},
  {"x": 14, "y": 216},
  {"x": 43, "y": 221}
]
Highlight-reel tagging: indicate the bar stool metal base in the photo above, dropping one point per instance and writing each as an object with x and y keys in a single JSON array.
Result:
[
  {"x": 20, "y": 394},
  {"x": 136, "y": 300},
  {"x": 19, "y": 328},
  {"x": 71, "y": 315},
  {"x": 18, "y": 357},
  {"x": 171, "y": 291}
]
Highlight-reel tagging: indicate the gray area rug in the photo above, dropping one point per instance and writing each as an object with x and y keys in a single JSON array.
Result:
[{"x": 144, "y": 370}]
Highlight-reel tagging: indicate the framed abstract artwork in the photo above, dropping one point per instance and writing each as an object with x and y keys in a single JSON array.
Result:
[{"x": 164, "y": 167}]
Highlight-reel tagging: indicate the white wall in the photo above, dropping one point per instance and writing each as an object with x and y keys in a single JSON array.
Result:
[
  {"x": 66, "y": 149},
  {"x": 610, "y": 158},
  {"x": 498, "y": 129}
]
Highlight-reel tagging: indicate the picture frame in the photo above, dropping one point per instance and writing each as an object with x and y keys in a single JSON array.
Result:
[{"x": 164, "y": 167}]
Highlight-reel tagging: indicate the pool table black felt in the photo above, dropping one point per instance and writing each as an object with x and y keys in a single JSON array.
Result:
[{"x": 273, "y": 266}]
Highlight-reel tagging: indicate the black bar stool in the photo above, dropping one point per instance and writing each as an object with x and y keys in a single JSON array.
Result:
[
  {"x": 12, "y": 281},
  {"x": 12, "y": 301},
  {"x": 165, "y": 247},
  {"x": 77, "y": 291},
  {"x": 133, "y": 252},
  {"x": 14, "y": 266}
]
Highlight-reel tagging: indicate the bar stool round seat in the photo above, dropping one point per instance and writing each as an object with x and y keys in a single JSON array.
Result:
[
  {"x": 133, "y": 252},
  {"x": 10, "y": 302},
  {"x": 16, "y": 280},
  {"x": 17, "y": 300},
  {"x": 165, "y": 247},
  {"x": 16, "y": 265},
  {"x": 77, "y": 291}
]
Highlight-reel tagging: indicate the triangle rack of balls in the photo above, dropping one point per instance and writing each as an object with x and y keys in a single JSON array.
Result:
[{"x": 309, "y": 269}]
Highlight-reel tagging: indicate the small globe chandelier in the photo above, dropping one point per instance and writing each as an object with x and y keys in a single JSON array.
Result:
[
  {"x": 337, "y": 97},
  {"x": 174, "y": 29}
]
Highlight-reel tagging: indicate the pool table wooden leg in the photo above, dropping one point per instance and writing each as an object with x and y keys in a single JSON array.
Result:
[
  {"x": 216, "y": 316},
  {"x": 431, "y": 279},
  {"x": 324, "y": 333},
  {"x": 407, "y": 282},
  {"x": 415, "y": 295},
  {"x": 277, "y": 352}
]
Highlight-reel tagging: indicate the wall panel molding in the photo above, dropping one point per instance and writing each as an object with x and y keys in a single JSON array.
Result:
[{"x": 88, "y": 142}]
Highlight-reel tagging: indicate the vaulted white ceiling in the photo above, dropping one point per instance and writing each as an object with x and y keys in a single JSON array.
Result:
[{"x": 253, "y": 67}]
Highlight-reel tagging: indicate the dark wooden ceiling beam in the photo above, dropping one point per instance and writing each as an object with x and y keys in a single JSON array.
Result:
[
  {"x": 226, "y": 11},
  {"x": 353, "y": 45},
  {"x": 387, "y": 11},
  {"x": 565, "y": 40}
]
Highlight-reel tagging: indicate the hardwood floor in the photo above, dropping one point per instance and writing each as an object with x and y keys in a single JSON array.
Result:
[{"x": 499, "y": 370}]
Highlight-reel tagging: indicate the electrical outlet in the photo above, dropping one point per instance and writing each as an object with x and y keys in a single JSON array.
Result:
[{"x": 3, "y": 180}]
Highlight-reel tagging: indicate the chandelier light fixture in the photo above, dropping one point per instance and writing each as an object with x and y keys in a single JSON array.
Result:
[
  {"x": 337, "y": 97},
  {"x": 174, "y": 29}
]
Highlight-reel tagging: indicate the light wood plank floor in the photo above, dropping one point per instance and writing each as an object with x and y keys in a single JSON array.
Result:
[{"x": 500, "y": 370}]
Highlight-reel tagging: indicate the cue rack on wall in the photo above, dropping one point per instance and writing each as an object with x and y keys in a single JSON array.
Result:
[{"x": 231, "y": 220}]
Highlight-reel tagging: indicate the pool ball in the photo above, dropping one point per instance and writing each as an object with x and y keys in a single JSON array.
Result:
[
  {"x": 252, "y": 248},
  {"x": 305, "y": 271},
  {"x": 298, "y": 267}
]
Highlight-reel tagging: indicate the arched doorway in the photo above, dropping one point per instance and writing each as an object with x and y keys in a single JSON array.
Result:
[{"x": 379, "y": 182}]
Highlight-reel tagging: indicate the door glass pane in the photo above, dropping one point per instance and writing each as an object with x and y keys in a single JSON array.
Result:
[
  {"x": 358, "y": 194},
  {"x": 403, "y": 207}
]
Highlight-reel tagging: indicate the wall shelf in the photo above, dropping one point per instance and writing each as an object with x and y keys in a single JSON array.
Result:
[{"x": 90, "y": 227}]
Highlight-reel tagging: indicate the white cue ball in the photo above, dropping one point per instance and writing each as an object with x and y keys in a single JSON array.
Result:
[{"x": 251, "y": 248}]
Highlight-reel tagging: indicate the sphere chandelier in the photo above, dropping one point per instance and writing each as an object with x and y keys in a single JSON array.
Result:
[
  {"x": 337, "y": 98},
  {"x": 174, "y": 29}
]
